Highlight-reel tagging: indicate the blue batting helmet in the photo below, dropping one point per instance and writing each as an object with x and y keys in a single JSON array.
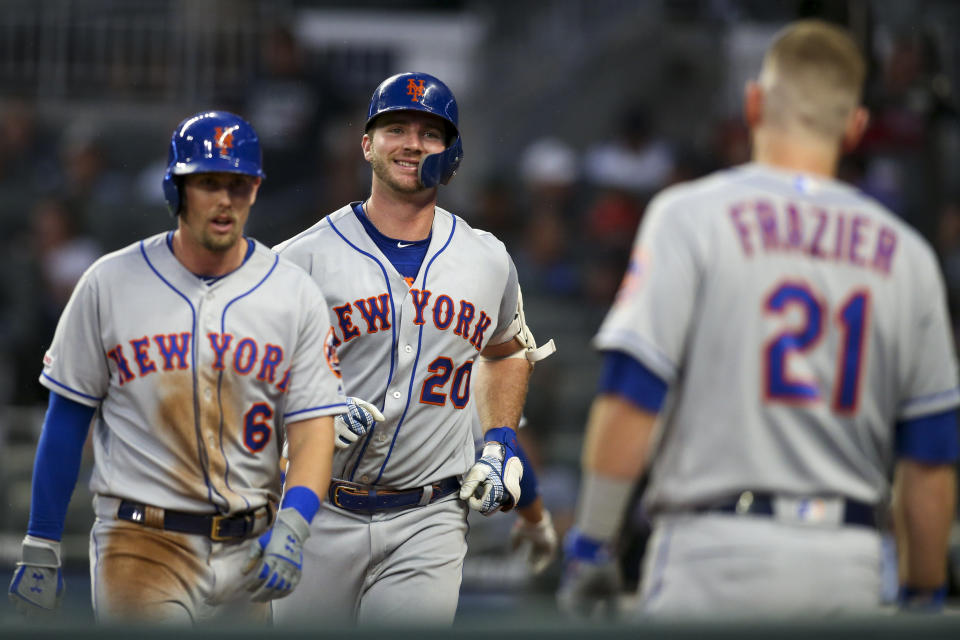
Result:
[
  {"x": 207, "y": 142},
  {"x": 423, "y": 92}
]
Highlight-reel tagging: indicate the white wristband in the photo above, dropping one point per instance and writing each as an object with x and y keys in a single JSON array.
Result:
[{"x": 600, "y": 509}]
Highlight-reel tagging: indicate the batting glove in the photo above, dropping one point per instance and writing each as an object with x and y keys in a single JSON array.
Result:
[
  {"x": 277, "y": 556},
  {"x": 540, "y": 537},
  {"x": 591, "y": 583},
  {"x": 357, "y": 421},
  {"x": 493, "y": 482},
  {"x": 37, "y": 585}
]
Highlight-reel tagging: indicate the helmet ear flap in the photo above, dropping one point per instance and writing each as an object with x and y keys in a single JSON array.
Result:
[
  {"x": 439, "y": 168},
  {"x": 171, "y": 192}
]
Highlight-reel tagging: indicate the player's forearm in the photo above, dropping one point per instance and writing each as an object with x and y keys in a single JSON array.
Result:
[
  {"x": 501, "y": 389},
  {"x": 924, "y": 507},
  {"x": 311, "y": 454},
  {"x": 617, "y": 439},
  {"x": 533, "y": 512},
  {"x": 614, "y": 455}
]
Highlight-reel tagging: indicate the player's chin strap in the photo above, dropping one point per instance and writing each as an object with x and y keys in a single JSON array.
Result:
[{"x": 530, "y": 350}]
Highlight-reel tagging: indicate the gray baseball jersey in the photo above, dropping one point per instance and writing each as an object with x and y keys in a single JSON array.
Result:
[
  {"x": 410, "y": 348},
  {"x": 193, "y": 380},
  {"x": 796, "y": 321}
]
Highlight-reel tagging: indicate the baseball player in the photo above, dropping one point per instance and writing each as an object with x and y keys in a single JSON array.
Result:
[
  {"x": 191, "y": 352},
  {"x": 779, "y": 342},
  {"x": 427, "y": 320}
]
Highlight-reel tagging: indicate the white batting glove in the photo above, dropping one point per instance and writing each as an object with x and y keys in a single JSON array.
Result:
[
  {"x": 37, "y": 585},
  {"x": 540, "y": 537},
  {"x": 492, "y": 483},
  {"x": 277, "y": 556},
  {"x": 357, "y": 421}
]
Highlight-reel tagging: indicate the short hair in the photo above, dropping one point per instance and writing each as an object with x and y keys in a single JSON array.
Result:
[{"x": 812, "y": 78}]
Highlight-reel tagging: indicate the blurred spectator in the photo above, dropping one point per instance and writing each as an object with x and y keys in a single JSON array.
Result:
[
  {"x": 27, "y": 157},
  {"x": 623, "y": 173},
  {"x": 64, "y": 253},
  {"x": 635, "y": 161},
  {"x": 900, "y": 148},
  {"x": 48, "y": 262},
  {"x": 87, "y": 178},
  {"x": 549, "y": 171},
  {"x": 497, "y": 212},
  {"x": 544, "y": 259},
  {"x": 947, "y": 243},
  {"x": 289, "y": 105}
]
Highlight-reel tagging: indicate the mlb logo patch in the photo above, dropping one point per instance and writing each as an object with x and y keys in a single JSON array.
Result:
[{"x": 811, "y": 510}]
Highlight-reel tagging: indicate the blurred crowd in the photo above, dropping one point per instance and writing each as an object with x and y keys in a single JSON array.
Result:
[{"x": 72, "y": 190}]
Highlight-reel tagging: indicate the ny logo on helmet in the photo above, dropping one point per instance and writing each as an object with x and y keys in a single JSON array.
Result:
[
  {"x": 223, "y": 138},
  {"x": 414, "y": 89}
]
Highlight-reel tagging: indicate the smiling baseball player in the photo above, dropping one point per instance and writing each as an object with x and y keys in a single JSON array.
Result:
[
  {"x": 792, "y": 335},
  {"x": 427, "y": 320},
  {"x": 191, "y": 351}
]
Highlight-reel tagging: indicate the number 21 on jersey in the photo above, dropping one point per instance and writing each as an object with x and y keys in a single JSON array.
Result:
[{"x": 851, "y": 319}]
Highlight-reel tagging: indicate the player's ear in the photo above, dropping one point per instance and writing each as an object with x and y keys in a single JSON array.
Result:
[
  {"x": 255, "y": 187},
  {"x": 366, "y": 143},
  {"x": 856, "y": 127},
  {"x": 753, "y": 104}
]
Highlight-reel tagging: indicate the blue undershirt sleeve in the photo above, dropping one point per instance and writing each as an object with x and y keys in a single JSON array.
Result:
[
  {"x": 57, "y": 464},
  {"x": 623, "y": 375},
  {"x": 932, "y": 439}
]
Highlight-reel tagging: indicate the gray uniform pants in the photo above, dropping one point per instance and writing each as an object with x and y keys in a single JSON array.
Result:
[
  {"x": 720, "y": 565},
  {"x": 391, "y": 567},
  {"x": 146, "y": 575}
]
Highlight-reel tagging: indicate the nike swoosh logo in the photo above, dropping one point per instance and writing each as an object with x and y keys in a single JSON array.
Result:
[{"x": 402, "y": 245}]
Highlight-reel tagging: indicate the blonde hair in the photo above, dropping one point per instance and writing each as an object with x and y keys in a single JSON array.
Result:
[{"x": 812, "y": 77}]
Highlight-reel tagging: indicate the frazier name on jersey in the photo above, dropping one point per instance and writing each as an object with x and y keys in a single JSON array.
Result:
[{"x": 768, "y": 226}]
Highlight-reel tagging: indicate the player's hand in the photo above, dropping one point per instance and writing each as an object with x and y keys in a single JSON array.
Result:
[
  {"x": 357, "y": 421},
  {"x": 275, "y": 561},
  {"x": 540, "y": 537},
  {"x": 493, "y": 482},
  {"x": 37, "y": 585},
  {"x": 591, "y": 583}
]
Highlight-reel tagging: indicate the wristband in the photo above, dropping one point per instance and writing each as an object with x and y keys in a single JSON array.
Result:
[
  {"x": 602, "y": 504},
  {"x": 303, "y": 499},
  {"x": 922, "y": 600},
  {"x": 578, "y": 546}
]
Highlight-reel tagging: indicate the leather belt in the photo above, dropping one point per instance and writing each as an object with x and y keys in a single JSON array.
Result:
[
  {"x": 216, "y": 527},
  {"x": 368, "y": 499},
  {"x": 803, "y": 510}
]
